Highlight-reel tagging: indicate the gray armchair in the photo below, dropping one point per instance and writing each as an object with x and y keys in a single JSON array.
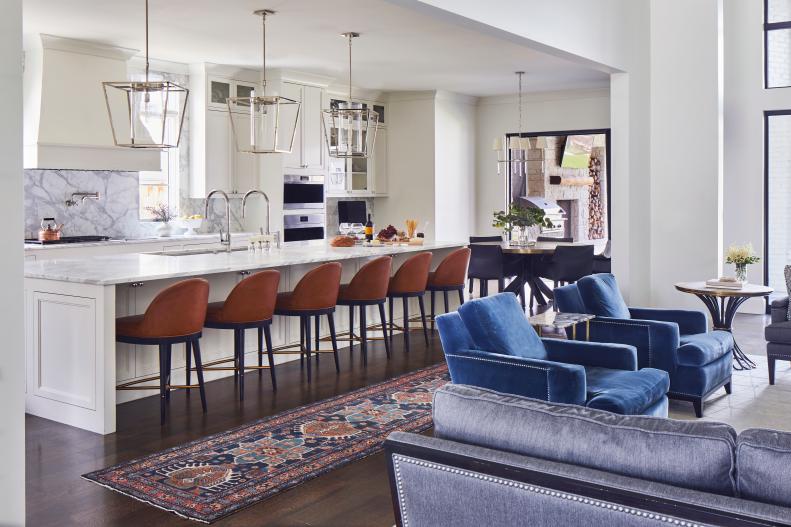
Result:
[{"x": 778, "y": 336}]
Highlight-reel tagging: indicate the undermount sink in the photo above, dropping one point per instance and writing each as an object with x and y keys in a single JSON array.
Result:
[{"x": 189, "y": 252}]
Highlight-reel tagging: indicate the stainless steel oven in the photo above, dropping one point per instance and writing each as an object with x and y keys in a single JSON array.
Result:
[
  {"x": 302, "y": 227},
  {"x": 303, "y": 192}
]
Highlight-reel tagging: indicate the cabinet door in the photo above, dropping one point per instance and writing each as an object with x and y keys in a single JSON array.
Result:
[
  {"x": 245, "y": 166},
  {"x": 219, "y": 149},
  {"x": 219, "y": 90},
  {"x": 293, "y": 161},
  {"x": 312, "y": 134},
  {"x": 377, "y": 167}
]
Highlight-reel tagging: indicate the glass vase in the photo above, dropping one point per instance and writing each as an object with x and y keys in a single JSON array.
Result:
[{"x": 741, "y": 272}]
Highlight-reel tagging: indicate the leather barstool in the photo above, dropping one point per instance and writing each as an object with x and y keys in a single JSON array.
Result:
[
  {"x": 449, "y": 275},
  {"x": 367, "y": 288},
  {"x": 409, "y": 282},
  {"x": 316, "y": 294},
  {"x": 175, "y": 315},
  {"x": 250, "y": 304}
]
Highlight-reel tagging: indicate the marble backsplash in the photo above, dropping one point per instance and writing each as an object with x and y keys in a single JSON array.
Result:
[{"x": 115, "y": 214}]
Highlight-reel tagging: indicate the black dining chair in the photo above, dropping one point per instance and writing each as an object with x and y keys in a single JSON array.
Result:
[
  {"x": 487, "y": 262},
  {"x": 568, "y": 264},
  {"x": 554, "y": 239}
]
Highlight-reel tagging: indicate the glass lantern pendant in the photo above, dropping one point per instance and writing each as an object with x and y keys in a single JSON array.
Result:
[
  {"x": 261, "y": 123},
  {"x": 146, "y": 114},
  {"x": 514, "y": 150},
  {"x": 350, "y": 129}
]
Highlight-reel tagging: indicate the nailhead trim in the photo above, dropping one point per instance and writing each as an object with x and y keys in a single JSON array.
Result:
[
  {"x": 398, "y": 459},
  {"x": 545, "y": 370},
  {"x": 632, "y": 324}
]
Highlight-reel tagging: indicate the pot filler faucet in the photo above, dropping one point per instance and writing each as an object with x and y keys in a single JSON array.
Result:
[
  {"x": 225, "y": 238},
  {"x": 72, "y": 201},
  {"x": 268, "y": 236}
]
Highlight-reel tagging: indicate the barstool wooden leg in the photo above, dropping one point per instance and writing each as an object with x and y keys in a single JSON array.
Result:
[
  {"x": 470, "y": 280},
  {"x": 168, "y": 358},
  {"x": 461, "y": 299},
  {"x": 199, "y": 371},
  {"x": 423, "y": 316},
  {"x": 270, "y": 355},
  {"x": 162, "y": 382},
  {"x": 316, "y": 336},
  {"x": 432, "y": 310},
  {"x": 240, "y": 355},
  {"x": 447, "y": 303},
  {"x": 301, "y": 342},
  {"x": 363, "y": 336},
  {"x": 390, "y": 306},
  {"x": 405, "y": 304},
  {"x": 260, "y": 350},
  {"x": 308, "y": 343},
  {"x": 188, "y": 360},
  {"x": 334, "y": 339},
  {"x": 383, "y": 320},
  {"x": 351, "y": 329}
]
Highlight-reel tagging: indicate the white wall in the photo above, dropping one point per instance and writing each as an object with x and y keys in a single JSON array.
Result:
[
  {"x": 542, "y": 112},
  {"x": 12, "y": 367},
  {"x": 454, "y": 172},
  {"x": 745, "y": 102}
]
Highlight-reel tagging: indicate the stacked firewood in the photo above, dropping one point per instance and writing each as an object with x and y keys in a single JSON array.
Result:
[{"x": 596, "y": 209}]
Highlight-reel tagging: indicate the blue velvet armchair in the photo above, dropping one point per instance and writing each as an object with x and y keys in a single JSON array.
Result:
[
  {"x": 489, "y": 343},
  {"x": 674, "y": 340}
]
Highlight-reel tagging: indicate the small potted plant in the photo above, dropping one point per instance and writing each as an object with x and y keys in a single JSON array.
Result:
[
  {"x": 162, "y": 214},
  {"x": 741, "y": 256},
  {"x": 520, "y": 218}
]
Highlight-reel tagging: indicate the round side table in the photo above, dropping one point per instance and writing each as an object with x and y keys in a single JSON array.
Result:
[{"x": 723, "y": 304}]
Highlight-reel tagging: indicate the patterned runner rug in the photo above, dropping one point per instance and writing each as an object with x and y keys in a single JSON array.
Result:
[{"x": 210, "y": 478}]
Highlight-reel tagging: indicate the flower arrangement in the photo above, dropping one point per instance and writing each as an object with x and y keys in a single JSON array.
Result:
[
  {"x": 161, "y": 212},
  {"x": 741, "y": 256}
]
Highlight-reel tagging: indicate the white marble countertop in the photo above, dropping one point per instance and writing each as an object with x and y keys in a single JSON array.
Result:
[
  {"x": 132, "y": 241},
  {"x": 127, "y": 268}
]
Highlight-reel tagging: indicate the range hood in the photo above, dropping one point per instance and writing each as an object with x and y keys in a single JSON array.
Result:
[{"x": 65, "y": 114}]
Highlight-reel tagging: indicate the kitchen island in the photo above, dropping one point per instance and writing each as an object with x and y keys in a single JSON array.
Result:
[{"x": 73, "y": 362}]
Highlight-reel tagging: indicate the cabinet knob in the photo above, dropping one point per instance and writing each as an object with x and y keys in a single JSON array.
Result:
[
  {"x": 244, "y": 273},
  {"x": 137, "y": 284}
]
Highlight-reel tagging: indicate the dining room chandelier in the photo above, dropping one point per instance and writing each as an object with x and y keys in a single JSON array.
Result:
[
  {"x": 350, "y": 129},
  {"x": 261, "y": 123},
  {"x": 513, "y": 149},
  {"x": 147, "y": 113}
]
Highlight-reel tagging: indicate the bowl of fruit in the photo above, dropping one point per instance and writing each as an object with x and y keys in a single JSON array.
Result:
[{"x": 191, "y": 223}]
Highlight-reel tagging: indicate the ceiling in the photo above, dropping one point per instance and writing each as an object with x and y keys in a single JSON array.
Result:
[{"x": 400, "y": 49}]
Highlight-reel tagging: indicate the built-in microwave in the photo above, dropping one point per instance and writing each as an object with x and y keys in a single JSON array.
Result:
[
  {"x": 303, "y": 192},
  {"x": 302, "y": 227}
]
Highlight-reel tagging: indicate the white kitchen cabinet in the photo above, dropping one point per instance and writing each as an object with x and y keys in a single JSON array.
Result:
[
  {"x": 307, "y": 155},
  {"x": 360, "y": 177},
  {"x": 377, "y": 169}
]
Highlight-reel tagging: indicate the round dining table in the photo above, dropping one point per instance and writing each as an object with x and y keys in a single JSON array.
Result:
[{"x": 722, "y": 305}]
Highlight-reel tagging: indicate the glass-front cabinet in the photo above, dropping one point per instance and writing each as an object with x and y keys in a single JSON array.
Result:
[
  {"x": 360, "y": 176},
  {"x": 221, "y": 89}
]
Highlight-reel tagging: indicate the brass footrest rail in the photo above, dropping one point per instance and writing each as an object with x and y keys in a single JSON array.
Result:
[
  {"x": 131, "y": 385},
  {"x": 350, "y": 336},
  {"x": 211, "y": 366},
  {"x": 300, "y": 349}
]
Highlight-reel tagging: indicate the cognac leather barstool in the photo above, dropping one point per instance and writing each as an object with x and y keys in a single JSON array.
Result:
[
  {"x": 367, "y": 288},
  {"x": 450, "y": 275},
  {"x": 250, "y": 304},
  {"x": 409, "y": 282},
  {"x": 316, "y": 294},
  {"x": 175, "y": 315}
]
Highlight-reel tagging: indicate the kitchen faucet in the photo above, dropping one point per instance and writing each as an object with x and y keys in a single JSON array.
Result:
[
  {"x": 275, "y": 237},
  {"x": 226, "y": 239},
  {"x": 72, "y": 201}
]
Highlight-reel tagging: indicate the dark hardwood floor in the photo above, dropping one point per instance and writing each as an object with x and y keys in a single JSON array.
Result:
[{"x": 354, "y": 495}]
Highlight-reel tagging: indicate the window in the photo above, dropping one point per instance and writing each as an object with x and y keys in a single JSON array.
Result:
[
  {"x": 777, "y": 43},
  {"x": 777, "y": 189},
  {"x": 162, "y": 187}
]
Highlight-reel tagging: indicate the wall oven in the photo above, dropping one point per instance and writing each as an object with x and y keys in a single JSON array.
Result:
[
  {"x": 303, "y": 192},
  {"x": 303, "y": 227}
]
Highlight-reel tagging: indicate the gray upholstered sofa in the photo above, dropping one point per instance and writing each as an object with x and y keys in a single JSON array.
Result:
[
  {"x": 507, "y": 460},
  {"x": 778, "y": 336}
]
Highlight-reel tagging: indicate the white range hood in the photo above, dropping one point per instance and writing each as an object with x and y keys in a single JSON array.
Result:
[{"x": 65, "y": 114}]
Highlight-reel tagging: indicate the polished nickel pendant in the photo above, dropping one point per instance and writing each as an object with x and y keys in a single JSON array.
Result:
[
  {"x": 261, "y": 123},
  {"x": 146, "y": 114},
  {"x": 350, "y": 129},
  {"x": 514, "y": 150}
]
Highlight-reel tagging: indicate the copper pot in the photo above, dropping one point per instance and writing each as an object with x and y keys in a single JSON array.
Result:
[{"x": 50, "y": 231}]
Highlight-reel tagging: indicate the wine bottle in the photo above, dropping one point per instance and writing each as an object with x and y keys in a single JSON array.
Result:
[{"x": 369, "y": 229}]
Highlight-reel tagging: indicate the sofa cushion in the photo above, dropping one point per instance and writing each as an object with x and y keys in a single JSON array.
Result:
[
  {"x": 703, "y": 348},
  {"x": 779, "y": 332},
  {"x": 763, "y": 466},
  {"x": 625, "y": 392},
  {"x": 601, "y": 296},
  {"x": 498, "y": 324},
  {"x": 691, "y": 454}
]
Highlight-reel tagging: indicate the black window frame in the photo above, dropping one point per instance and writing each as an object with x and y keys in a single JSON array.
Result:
[
  {"x": 768, "y": 114},
  {"x": 771, "y": 26}
]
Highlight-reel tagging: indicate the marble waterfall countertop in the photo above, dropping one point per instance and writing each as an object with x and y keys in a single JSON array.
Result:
[{"x": 127, "y": 268}]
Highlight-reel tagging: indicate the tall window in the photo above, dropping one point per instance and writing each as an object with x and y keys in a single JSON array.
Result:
[
  {"x": 778, "y": 197},
  {"x": 777, "y": 43},
  {"x": 162, "y": 186}
]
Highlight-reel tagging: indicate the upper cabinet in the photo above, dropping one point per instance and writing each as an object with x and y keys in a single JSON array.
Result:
[{"x": 308, "y": 153}]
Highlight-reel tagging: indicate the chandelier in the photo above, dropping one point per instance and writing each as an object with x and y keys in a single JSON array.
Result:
[
  {"x": 261, "y": 123},
  {"x": 146, "y": 114},
  {"x": 514, "y": 151},
  {"x": 350, "y": 129}
]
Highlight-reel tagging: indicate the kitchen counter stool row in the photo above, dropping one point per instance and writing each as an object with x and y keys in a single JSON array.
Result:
[{"x": 179, "y": 313}]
